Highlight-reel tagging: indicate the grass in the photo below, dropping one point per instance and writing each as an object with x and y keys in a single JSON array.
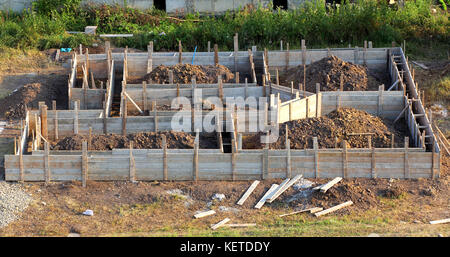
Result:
[{"x": 44, "y": 26}]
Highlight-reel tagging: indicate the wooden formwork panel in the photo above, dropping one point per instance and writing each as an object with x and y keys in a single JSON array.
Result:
[{"x": 212, "y": 165}]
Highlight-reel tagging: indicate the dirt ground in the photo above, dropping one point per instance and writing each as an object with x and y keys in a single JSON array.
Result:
[
  {"x": 328, "y": 72},
  {"x": 183, "y": 74},
  {"x": 339, "y": 123},
  {"x": 45, "y": 87},
  {"x": 383, "y": 206},
  {"x": 146, "y": 140}
]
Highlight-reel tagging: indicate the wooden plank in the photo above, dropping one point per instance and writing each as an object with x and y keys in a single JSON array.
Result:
[
  {"x": 220, "y": 224},
  {"x": 248, "y": 192},
  {"x": 440, "y": 221},
  {"x": 243, "y": 225},
  {"x": 279, "y": 188},
  {"x": 334, "y": 208},
  {"x": 132, "y": 174},
  {"x": 284, "y": 188},
  {"x": 264, "y": 198},
  {"x": 324, "y": 188},
  {"x": 204, "y": 214},
  {"x": 311, "y": 210}
]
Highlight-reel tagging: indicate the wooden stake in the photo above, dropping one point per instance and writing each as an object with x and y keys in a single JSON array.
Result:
[
  {"x": 216, "y": 54},
  {"x": 84, "y": 163},
  {"x": 180, "y": 50}
]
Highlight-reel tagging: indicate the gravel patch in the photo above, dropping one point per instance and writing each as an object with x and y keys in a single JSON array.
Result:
[{"x": 13, "y": 200}]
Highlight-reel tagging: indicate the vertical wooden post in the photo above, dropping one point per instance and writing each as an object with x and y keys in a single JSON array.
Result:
[
  {"x": 44, "y": 125},
  {"x": 288, "y": 159},
  {"x": 265, "y": 162},
  {"x": 433, "y": 152},
  {"x": 369, "y": 141},
  {"x": 180, "y": 50},
  {"x": 124, "y": 115},
  {"x": 318, "y": 99},
  {"x": 373, "y": 169},
  {"x": 90, "y": 138},
  {"x": 233, "y": 159},
  {"x": 46, "y": 163},
  {"x": 307, "y": 107},
  {"x": 55, "y": 120},
  {"x": 216, "y": 54},
  {"x": 380, "y": 99},
  {"x": 236, "y": 49},
  {"x": 287, "y": 56},
  {"x": 155, "y": 115},
  {"x": 170, "y": 76},
  {"x": 144, "y": 96},
  {"x": 84, "y": 163},
  {"x": 195, "y": 161},
  {"x": 132, "y": 175},
  {"x": 316, "y": 157},
  {"x": 237, "y": 77},
  {"x": 105, "y": 124},
  {"x": 246, "y": 89},
  {"x": 304, "y": 64},
  {"x": 164, "y": 147},
  {"x": 75, "y": 119},
  {"x": 392, "y": 140},
  {"x": 292, "y": 89},
  {"x": 344, "y": 158},
  {"x": 21, "y": 168},
  {"x": 365, "y": 52},
  {"x": 277, "y": 78},
  {"x": 406, "y": 165},
  {"x": 93, "y": 81},
  {"x": 150, "y": 57}
]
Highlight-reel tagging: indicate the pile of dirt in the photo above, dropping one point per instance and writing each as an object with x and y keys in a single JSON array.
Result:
[
  {"x": 339, "y": 123},
  {"x": 328, "y": 72},
  {"x": 13, "y": 107},
  {"x": 362, "y": 197},
  {"x": 183, "y": 74},
  {"x": 145, "y": 140}
]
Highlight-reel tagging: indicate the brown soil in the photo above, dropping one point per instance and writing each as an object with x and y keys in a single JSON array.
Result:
[
  {"x": 13, "y": 106},
  {"x": 183, "y": 74},
  {"x": 144, "y": 208},
  {"x": 339, "y": 123},
  {"x": 147, "y": 140},
  {"x": 328, "y": 71}
]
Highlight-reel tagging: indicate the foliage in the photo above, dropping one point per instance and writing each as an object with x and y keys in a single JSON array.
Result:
[{"x": 320, "y": 24}]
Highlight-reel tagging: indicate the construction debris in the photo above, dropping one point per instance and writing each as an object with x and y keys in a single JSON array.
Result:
[
  {"x": 88, "y": 213},
  {"x": 220, "y": 224},
  {"x": 279, "y": 188},
  {"x": 311, "y": 210},
  {"x": 204, "y": 214},
  {"x": 440, "y": 221},
  {"x": 284, "y": 188},
  {"x": 324, "y": 188},
  {"x": 266, "y": 195},
  {"x": 232, "y": 225},
  {"x": 218, "y": 197},
  {"x": 248, "y": 192},
  {"x": 334, "y": 208}
]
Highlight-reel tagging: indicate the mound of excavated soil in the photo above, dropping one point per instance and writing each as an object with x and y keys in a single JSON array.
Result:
[
  {"x": 339, "y": 123},
  {"x": 13, "y": 107},
  {"x": 328, "y": 71},
  {"x": 183, "y": 74},
  {"x": 146, "y": 140}
]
